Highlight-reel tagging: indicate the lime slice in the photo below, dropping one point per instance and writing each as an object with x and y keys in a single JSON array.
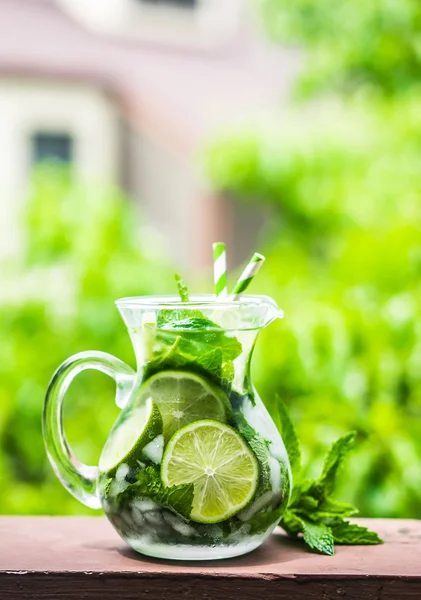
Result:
[
  {"x": 128, "y": 438},
  {"x": 220, "y": 464},
  {"x": 184, "y": 397}
]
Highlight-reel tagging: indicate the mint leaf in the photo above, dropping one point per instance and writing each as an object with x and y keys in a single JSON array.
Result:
[
  {"x": 167, "y": 351},
  {"x": 179, "y": 498},
  {"x": 227, "y": 375},
  {"x": 291, "y": 523},
  {"x": 192, "y": 343},
  {"x": 192, "y": 323},
  {"x": 182, "y": 288},
  {"x": 311, "y": 509},
  {"x": 200, "y": 334},
  {"x": 329, "y": 508},
  {"x": 197, "y": 335},
  {"x": 347, "y": 533},
  {"x": 333, "y": 461},
  {"x": 212, "y": 360},
  {"x": 148, "y": 484},
  {"x": 261, "y": 521},
  {"x": 308, "y": 504},
  {"x": 187, "y": 339},
  {"x": 318, "y": 537},
  {"x": 260, "y": 449},
  {"x": 313, "y": 488},
  {"x": 287, "y": 431},
  {"x": 106, "y": 487},
  {"x": 169, "y": 315}
]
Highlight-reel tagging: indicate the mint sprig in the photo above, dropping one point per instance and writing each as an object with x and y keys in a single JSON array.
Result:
[
  {"x": 148, "y": 484},
  {"x": 312, "y": 511},
  {"x": 182, "y": 288},
  {"x": 317, "y": 536},
  {"x": 185, "y": 339}
]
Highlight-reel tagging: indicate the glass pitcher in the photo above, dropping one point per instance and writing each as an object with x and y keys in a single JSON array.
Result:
[{"x": 194, "y": 467}]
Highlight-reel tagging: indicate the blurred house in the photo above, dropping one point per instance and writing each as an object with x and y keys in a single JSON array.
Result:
[{"x": 126, "y": 91}]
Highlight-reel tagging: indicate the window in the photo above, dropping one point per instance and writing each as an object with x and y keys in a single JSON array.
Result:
[
  {"x": 46, "y": 146},
  {"x": 177, "y": 3}
]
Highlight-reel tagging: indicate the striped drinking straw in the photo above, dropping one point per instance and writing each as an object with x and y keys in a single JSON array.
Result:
[
  {"x": 220, "y": 270},
  {"x": 247, "y": 275}
]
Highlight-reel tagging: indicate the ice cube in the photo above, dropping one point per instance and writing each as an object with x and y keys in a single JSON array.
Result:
[
  {"x": 122, "y": 471},
  {"x": 145, "y": 505},
  {"x": 214, "y": 531},
  {"x": 154, "y": 518},
  {"x": 245, "y": 529},
  {"x": 117, "y": 486},
  {"x": 137, "y": 516},
  {"x": 261, "y": 502},
  {"x": 237, "y": 537},
  {"x": 127, "y": 518},
  {"x": 155, "y": 449},
  {"x": 179, "y": 525},
  {"x": 275, "y": 474}
]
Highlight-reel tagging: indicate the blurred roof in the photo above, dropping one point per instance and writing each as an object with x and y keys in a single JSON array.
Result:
[{"x": 178, "y": 93}]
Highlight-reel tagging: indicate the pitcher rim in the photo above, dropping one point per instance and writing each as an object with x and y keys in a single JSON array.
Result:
[{"x": 197, "y": 300}]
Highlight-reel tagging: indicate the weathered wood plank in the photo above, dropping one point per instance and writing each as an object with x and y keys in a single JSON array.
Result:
[{"x": 61, "y": 558}]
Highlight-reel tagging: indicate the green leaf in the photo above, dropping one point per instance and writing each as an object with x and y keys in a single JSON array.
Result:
[
  {"x": 261, "y": 521},
  {"x": 193, "y": 322},
  {"x": 334, "y": 460},
  {"x": 182, "y": 288},
  {"x": 192, "y": 342},
  {"x": 169, "y": 316},
  {"x": 333, "y": 508},
  {"x": 260, "y": 449},
  {"x": 287, "y": 431},
  {"x": 199, "y": 334},
  {"x": 318, "y": 537},
  {"x": 179, "y": 498},
  {"x": 211, "y": 362},
  {"x": 227, "y": 375},
  {"x": 291, "y": 523},
  {"x": 352, "y": 534},
  {"x": 148, "y": 484},
  {"x": 106, "y": 487},
  {"x": 308, "y": 504},
  {"x": 311, "y": 509}
]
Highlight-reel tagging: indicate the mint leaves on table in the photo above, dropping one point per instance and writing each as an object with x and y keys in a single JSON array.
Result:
[
  {"x": 317, "y": 536},
  {"x": 312, "y": 511},
  {"x": 350, "y": 534},
  {"x": 187, "y": 339}
]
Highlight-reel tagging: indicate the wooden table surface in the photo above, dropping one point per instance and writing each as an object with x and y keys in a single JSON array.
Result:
[{"x": 73, "y": 558}]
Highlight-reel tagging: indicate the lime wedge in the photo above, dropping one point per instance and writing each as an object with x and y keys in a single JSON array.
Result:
[
  {"x": 220, "y": 464},
  {"x": 184, "y": 397},
  {"x": 128, "y": 438}
]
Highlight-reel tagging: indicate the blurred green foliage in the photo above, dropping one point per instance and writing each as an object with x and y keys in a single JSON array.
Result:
[
  {"x": 351, "y": 44},
  {"x": 343, "y": 177},
  {"x": 343, "y": 180},
  {"x": 83, "y": 251}
]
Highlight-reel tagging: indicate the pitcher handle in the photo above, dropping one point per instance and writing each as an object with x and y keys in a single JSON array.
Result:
[{"x": 79, "y": 479}]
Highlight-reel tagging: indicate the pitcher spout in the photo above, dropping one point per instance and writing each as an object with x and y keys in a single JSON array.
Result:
[{"x": 270, "y": 311}]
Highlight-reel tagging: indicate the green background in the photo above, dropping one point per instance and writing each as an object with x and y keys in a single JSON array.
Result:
[{"x": 340, "y": 170}]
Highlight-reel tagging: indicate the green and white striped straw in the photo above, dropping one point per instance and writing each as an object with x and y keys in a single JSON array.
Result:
[
  {"x": 247, "y": 275},
  {"x": 220, "y": 270}
]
